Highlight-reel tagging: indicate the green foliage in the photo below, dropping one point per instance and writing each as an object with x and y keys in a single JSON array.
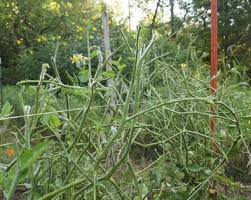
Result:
[
  {"x": 159, "y": 131},
  {"x": 31, "y": 29},
  {"x": 22, "y": 168},
  {"x": 147, "y": 136},
  {"x": 6, "y": 110},
  {"x": 234, "y": 30}
]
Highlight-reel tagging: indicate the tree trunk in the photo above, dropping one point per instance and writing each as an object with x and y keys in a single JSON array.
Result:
[
  {"x": 172, "y": 17},
  {"x": 129, "y": 16},
  {"x": 155, "y": 16}
]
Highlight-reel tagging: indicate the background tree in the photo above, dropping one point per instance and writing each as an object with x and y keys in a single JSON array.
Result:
[{"x": 234, "y": 31}]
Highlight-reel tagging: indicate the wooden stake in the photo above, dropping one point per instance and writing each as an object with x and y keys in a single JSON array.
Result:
[{"x": 107, "y": 46}]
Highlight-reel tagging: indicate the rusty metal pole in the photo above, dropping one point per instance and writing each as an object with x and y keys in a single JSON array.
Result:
[
  {"x": 214, "y": 59},
  {"x": 1, "y": 83},
  {"x": 214, "y": 70}
]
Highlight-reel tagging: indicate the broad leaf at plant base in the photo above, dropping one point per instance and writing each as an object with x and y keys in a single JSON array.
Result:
[{"x": 27, "y": 159}]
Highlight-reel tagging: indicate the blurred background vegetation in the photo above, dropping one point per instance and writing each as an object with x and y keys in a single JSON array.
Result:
[{"x": 31, "y": 29}]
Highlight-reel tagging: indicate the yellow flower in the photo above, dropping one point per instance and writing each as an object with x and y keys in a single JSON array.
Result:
[
  {"x": 206, "y": 66},
  {"x": 42, "y": 38},
  {"x": 197, "y": 74},
  {"x": 80, "y": 29},
  {"x": 76, "y": 58},
  {"x": 54, "y": 38},
  {"x": 183, "y": 65},
  {"x": 68, "y": 5},
  {"x": 53, "y": 7},
  {"x": 20, "y": 41},
  {"x": 94, "y": 28},
  {"x": 94, "y": 17}
]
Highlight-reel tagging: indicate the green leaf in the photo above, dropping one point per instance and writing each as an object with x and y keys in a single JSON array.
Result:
[
  {"x": 116, "y": 63},
  {"x": 6, "y": 110},
  {"x": 45, "y": 119},
  {"x": 227, "y": 181},
  {"x": 83, "y": 75},
  {"x": 208, "y": 172},
  {"x": 12, "y": 183},
  {"x": 1, "y": 178},
  {"x": 94, "y": 54},
  {"x": 180, "y": 175},
  {"x": 195, "y": 168},
  {"x": 121, "y": 67},
  {"x": 27, "y": 159},
  {"x": 54, "y": 121},
  {"x": 144, "y": 189},
  {"x": 108, "y": 74}
]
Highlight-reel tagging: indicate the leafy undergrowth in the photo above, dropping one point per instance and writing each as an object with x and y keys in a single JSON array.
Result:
[{"x": 144, "y": 137}]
